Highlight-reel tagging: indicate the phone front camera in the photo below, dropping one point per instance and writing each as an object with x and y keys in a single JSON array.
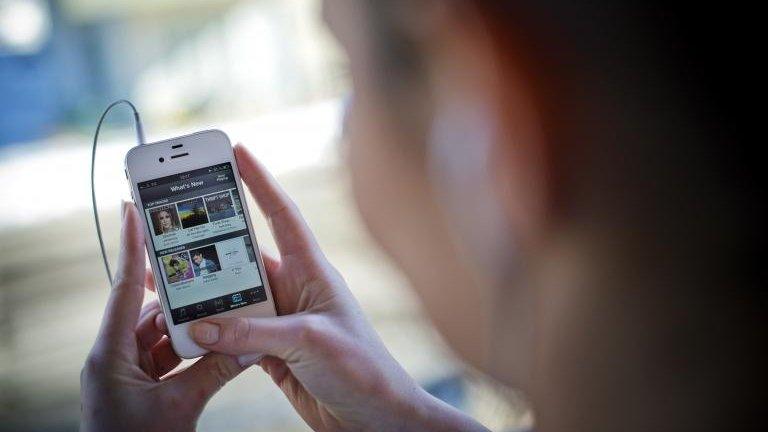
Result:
[{"x": 162, "y": 159}]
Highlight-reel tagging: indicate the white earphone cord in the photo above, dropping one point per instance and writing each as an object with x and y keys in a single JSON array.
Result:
[{"x": 140, "y": 140}]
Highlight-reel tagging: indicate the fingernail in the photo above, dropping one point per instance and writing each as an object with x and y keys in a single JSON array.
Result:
[
  {"x": 122, "y": 208},
  {"x": 205, "y": 333}
]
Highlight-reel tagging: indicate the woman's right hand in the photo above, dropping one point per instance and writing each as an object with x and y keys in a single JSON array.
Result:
[{"x": 321, "y": 351}]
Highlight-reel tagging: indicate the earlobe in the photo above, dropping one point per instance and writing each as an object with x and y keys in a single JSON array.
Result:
[
  {"x": 519, "y": 184},
  {"x": 517, "y": 153}
]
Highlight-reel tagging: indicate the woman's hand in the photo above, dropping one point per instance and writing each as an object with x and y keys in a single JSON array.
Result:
[
  {"x": 122, "y": 383},
  {"x": 321, "y": 351}
]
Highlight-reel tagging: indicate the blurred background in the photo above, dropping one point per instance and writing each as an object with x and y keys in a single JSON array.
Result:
[{"x": 264, "y": 71}]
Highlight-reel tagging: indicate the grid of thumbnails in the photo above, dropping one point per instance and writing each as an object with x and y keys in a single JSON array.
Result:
[{"x": 202, "y": 243}]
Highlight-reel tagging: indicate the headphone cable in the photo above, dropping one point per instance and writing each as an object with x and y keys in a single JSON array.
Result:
[{"x": 141, "y": 140}]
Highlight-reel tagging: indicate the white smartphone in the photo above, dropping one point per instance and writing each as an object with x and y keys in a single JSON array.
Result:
[{"x": 201, "y": 244}]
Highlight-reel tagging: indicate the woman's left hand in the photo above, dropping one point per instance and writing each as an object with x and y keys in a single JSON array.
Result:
[{"x": 123, "y": 386}]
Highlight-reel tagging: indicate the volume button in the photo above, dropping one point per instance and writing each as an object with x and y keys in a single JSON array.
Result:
[{"x": 130, "y": 187}]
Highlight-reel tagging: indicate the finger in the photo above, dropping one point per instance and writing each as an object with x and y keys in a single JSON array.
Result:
[
  {"x": 148, "y": 333},
  {"x": 204, "y": 378},
  {"x": 295, "y": 392},
  {"x": 149, "y": 280},
  {"x": 281, "y": 375},
  {"x": 122, "y": 311},
  {"x": 276, "y": 336},
  {"x": 271, "y": 264},
  {"x": 164, "y": 357},
  {"x": 275, "y": 368},
  {"x": 150, "y": 308},
  {"x": 285, "y": 299},
  {"x": 291, "y": 232},
  {"x": 161, "y": 324}
]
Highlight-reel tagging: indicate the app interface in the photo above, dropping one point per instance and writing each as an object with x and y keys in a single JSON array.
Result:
[{"x": 201, "y": 242}]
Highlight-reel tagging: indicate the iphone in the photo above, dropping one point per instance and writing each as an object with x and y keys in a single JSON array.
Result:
[{"x": 199, "y": 235}]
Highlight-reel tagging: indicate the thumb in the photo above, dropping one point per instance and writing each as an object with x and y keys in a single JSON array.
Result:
[
  {"x": 122, "y": 311},
  {"x": 279, "y": 336}
]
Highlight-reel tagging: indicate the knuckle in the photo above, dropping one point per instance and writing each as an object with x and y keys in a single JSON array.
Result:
[
  {"x": 152, "y": 304},
  {"x": 148, "y": 312},
  {"x": 313, "y": 331},
  {"x": 94, "y": 365},
  {"x": 242, "y": 331},
  {"x": 121, "y": 282}
]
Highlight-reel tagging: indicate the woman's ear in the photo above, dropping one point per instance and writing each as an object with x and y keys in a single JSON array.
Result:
[
  {"x": 486, "y": 139},
  {"x": 486, "y": 169}
]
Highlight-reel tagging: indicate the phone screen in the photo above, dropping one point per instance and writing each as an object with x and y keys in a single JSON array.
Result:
[{"x": 201, "y": 242}]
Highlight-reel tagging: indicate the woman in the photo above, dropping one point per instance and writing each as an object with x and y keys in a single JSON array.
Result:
[
  {"x": 553, "y": 180},
  {"x": 166, "y": 222}
]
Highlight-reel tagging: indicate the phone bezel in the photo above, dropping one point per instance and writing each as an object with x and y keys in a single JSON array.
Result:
[{"x": 204, "y": 148}]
